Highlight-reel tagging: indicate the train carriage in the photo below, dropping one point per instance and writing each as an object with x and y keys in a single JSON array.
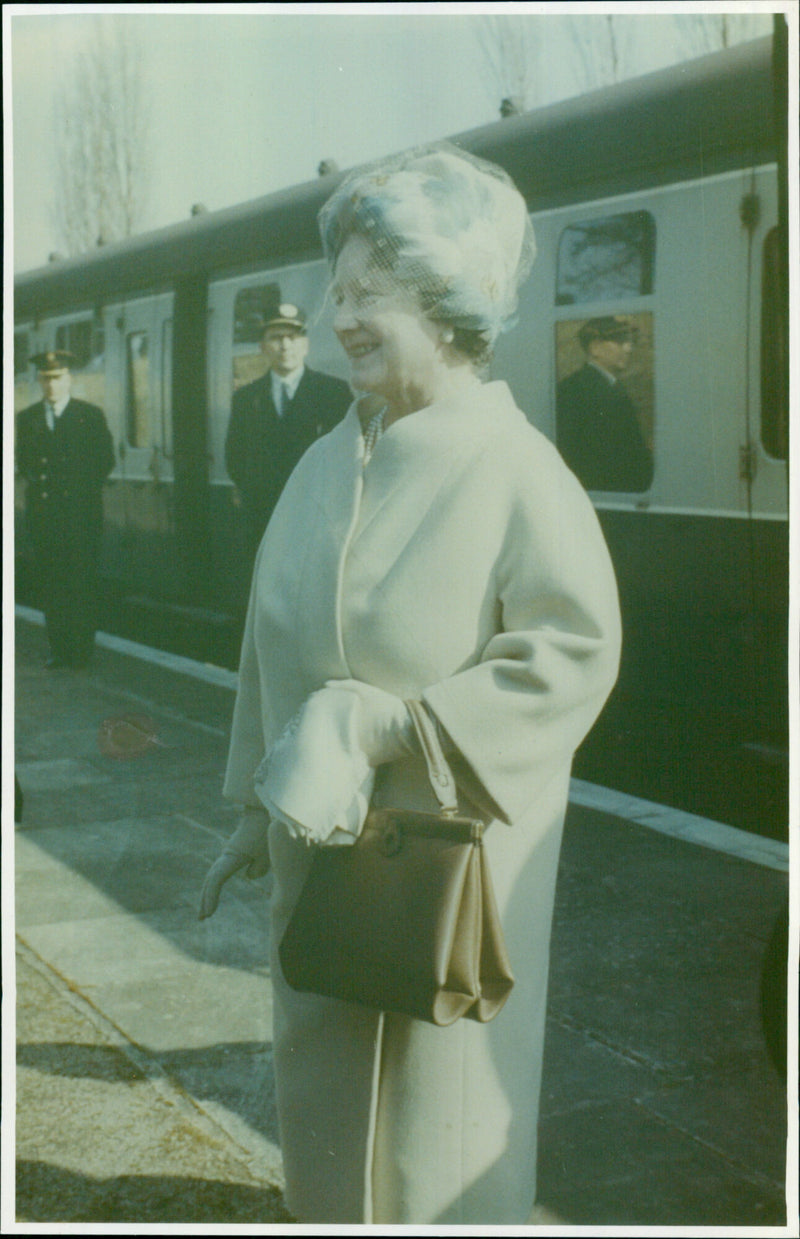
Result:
[{"x": 658, "y": 199}]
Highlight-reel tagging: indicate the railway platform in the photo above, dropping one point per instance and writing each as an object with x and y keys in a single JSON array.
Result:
[{"x": 143, "y": 1084}]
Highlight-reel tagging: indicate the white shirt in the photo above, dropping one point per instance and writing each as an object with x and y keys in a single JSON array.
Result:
[
  {"x": 284, "y": 388},
  {"x": 605, "y": 373},
  {"x": 53, "y": 411}
]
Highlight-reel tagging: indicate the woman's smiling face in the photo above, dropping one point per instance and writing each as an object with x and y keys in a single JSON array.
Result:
[{"x": 394, "y": 350}]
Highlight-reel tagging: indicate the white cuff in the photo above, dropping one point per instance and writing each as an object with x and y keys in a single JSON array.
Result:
[{"x": 316, "y": 778}]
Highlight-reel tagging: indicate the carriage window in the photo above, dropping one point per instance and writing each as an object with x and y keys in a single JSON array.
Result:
[
  {"x": 137, "y": 403},
  {"x": 166, "y": 386},
  {"x": 774, "y": 353},
  {"x": 604, "y": 400},
  {"x": 606, "y": 259},
  {"x": 84, "y": 340},
  {"x": 76, "y": 338},
  {"x": 252, "y": 308}
]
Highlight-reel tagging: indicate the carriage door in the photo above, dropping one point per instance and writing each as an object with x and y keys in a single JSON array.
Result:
[
  {"x": 764, "y": 467},
  {"x": 140, "y": 335}
]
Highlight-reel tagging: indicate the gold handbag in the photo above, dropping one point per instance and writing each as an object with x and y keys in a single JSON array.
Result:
[{"x": 405, "y": 919}]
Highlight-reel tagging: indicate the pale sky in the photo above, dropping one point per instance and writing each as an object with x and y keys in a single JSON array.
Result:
[{"x": 245, "y": 100}]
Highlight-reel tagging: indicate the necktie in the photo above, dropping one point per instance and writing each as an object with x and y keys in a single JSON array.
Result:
[
  {"x": 282, "y": 399},
  {"x": 51, "y": 416}
]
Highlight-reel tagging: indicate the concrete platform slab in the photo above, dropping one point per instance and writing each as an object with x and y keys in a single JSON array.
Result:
[
  {"x": 102, "y": 1141},
  {"x": 57, "y": 774},
  {"x": 660, "y": 1103}
]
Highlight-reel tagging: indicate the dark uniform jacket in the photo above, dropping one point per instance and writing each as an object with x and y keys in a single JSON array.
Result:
[
  {"x": 64, "y": 469},
  {"x": 262, "y": 449},
  {"x": 598, "y": 433}
]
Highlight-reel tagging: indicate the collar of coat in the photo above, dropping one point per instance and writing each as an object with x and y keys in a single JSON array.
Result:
[
  {"x": 486, "y": 408},
  {"x": 420, "y": 453}
]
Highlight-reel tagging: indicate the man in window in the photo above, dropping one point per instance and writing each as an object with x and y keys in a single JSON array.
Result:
[
  {"x": 276, "y": 418},
  {"x": 64, "y": 453},
  {"x": 597, "y": 427}
]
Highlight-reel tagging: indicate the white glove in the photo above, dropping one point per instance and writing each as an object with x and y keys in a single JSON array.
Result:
[
  {"x": 247, "y": 846},
  {"x": 384, "y": 728}
]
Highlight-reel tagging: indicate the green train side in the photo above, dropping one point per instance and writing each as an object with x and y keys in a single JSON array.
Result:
[{"x": 660, "y": 198}]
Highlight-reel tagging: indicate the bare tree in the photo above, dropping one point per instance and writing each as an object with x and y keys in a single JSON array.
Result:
[
  {"x": 533, "y": 59},
  {"x": 506, "y": 44},
  {"x": 710, "y": 32},
  {"x": 102, "y": 134},
  {"x": 598, "y": 47}
]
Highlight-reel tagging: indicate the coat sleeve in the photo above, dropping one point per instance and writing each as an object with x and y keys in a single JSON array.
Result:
[
  {"x": 517, "y": 715},
  {"x": 340, "y": 399},
  {"x": 104, "y": 455},
  {"x": 271, "y": 687},
  {"x": 573, "y": 426},
  {"x": 25, "y": 455},
  {"x": 247, "y": 737},
  {"x": 328, "y": 399},
  {"x": 236, "y": 440}
]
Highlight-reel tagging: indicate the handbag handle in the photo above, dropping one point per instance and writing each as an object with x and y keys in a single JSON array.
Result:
[{"x": 439, "y": 773}]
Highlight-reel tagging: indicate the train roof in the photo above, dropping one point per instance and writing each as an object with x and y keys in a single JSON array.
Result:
[{"x": 692, "y": 119}]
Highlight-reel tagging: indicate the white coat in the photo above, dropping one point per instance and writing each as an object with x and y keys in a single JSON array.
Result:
[{"x": 465, "y": 565}]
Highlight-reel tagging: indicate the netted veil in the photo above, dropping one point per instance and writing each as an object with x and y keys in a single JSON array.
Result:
[{"x": 445, "y": 224}]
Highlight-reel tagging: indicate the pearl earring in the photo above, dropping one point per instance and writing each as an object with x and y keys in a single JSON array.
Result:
[{"x": 448, "y": 335}]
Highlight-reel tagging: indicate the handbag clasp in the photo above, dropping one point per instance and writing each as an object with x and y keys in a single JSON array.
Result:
[{"x": 391, "y": 839}]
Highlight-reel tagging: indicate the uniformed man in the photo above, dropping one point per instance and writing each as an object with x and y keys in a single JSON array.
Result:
[
  {"x": 597, "y": 426},
  {"x": 276, "y": 418},
  {"x": 64, "y": 453}
]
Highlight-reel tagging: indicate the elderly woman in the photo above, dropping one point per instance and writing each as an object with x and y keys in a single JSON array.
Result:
[{"x": 432, "y": 546}]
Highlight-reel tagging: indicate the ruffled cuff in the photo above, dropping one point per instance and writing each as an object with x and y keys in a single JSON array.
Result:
[
  {"x": 316, "y": 778},
  {"x": 338, "y": 835}
]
